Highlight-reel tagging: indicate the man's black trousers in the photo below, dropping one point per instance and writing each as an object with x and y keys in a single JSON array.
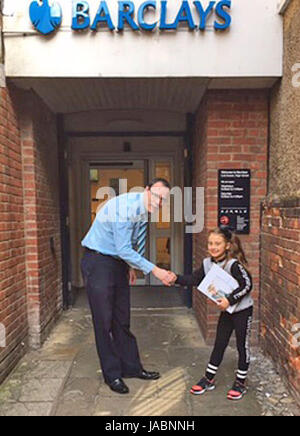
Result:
[{"x": 107, "y": 285}]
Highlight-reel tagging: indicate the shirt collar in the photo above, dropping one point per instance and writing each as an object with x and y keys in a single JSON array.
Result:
[{"x": 219, "y": 261}]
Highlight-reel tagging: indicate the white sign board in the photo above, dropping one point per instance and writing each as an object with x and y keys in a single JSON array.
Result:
[{"x": 249, "y": 45}]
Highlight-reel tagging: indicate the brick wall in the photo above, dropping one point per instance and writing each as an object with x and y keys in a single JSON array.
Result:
[
  {"x": 231, "y": 132},
  {"x": 30, "y": 271},
  {"x": 280, "y": 307},
  {"x": 280, "y": 288},
  {"x": 41, "y": 213},
  {"x": 13, "y": 305},
  {"x": 200, "y": 174}
]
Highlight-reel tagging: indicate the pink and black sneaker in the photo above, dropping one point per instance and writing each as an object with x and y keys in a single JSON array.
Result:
[
  {"x": 237, "y": 392},
  {"x": 202, "y": 386}
]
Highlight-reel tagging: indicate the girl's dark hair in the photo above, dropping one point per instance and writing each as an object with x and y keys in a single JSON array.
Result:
[
  {"x": 159, "y": 180},
  {"x": 236, "y": 250}
]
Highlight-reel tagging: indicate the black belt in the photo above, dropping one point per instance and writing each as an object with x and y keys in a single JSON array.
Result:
[{"x": 89, "y": 250}]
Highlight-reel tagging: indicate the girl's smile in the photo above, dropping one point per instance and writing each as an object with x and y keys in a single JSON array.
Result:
[{"x": 217, "y": 246}]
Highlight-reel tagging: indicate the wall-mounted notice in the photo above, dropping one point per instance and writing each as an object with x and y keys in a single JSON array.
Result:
[{"x": 234, "y": 200}]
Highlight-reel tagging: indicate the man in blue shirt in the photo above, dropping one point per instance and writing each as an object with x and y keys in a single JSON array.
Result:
[{"x": 108, "y": 266}]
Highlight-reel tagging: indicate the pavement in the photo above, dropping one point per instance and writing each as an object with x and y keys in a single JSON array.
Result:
[{"x": 63, "y": 378}]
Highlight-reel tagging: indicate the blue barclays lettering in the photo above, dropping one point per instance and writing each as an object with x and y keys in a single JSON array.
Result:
[
  {"x": 204, "y": 13},
  {"x": 102, "y": 16},
  {"x": 163, "y": 18},
  {"x": 185, "y": 16},
  {"x": 136, "y": 19},
  {"x": 141, "y": 15},
  {"x": 126, "y": 13},
  {"x": 223, "y": 15},
  {"x": 80, "y": 15}
]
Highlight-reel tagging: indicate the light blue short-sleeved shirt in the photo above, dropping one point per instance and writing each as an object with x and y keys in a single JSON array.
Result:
[{"x": 115, "y": 230}]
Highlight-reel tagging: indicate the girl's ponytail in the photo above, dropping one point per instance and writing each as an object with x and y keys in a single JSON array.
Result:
[{"x": 236, "y": 250}]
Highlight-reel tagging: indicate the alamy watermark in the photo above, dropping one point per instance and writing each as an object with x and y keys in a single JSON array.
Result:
[
  {"x": 296, "y": 76},
  {"x": 2, "y": 336},
  {"x": 184, "y": 201},
  {"x": 296, "y": 337}
]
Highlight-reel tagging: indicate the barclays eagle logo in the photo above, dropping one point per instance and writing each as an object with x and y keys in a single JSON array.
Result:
[{"x": 44, "y": 17}]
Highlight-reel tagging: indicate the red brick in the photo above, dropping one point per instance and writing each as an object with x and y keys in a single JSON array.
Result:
[
  {"x": 280, "y": 292},
  {"x": 32, "y": 161},
  {"x": 236, "y": 122}
]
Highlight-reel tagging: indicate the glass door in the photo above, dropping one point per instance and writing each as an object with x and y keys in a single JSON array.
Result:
[
  {"x": 161, "y": 231},
  {"x": 160, "y": 246},
  {"x": 129, "y": 176}
]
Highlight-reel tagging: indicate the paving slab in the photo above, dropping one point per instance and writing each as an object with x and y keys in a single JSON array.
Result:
[
  {"x": 26, "y": 409},
  {"x": 78, "y": 397},
  {"x": 64, "y": 378}
]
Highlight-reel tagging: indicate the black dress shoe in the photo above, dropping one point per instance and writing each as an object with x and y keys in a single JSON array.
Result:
[
  {"x": 146, "y": 375},
  {"x": 118, "y": 386},
  {"x": 149, "y": 375}
]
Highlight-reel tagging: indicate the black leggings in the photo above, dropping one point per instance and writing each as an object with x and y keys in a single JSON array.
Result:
[{"x": 239, "y": 322}]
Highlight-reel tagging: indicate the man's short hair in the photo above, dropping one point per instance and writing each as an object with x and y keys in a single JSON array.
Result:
[{"x": 164, "y": 182}]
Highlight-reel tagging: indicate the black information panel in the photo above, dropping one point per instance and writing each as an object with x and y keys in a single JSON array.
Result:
[{"x": 234, "y": 200}]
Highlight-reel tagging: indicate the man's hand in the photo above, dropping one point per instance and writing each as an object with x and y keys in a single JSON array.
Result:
[
  {"x": 223, "y": 303},
  {"x": 132, "y": 277},
  {"x": 172, "y": 278},
  {"x": 166, "y": 277}
]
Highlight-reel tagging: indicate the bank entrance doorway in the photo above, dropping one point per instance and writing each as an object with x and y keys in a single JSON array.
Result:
[{"x": 117, "y": 177}]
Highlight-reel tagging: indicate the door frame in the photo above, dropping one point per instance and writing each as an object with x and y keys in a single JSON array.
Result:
[
  {"x": 155, "y": 233},
  {"x": 149, "y": 174},
  {"x": 79, "y": 170},
  {"x": 122, "y": 164}
]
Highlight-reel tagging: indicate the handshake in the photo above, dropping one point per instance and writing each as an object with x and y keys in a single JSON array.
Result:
[{"x": 168, "y": 278}]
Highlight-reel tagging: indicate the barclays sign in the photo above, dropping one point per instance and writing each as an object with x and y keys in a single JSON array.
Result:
[{"x": 46, "y": 16}]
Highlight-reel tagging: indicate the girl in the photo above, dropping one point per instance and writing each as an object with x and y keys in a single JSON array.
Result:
[{"x": 226, "y": 251}]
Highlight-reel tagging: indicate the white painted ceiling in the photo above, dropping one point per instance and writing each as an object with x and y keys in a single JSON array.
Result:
[
  {"x": 181, "y": 95},
  {"x": 82, "y": 95}
]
